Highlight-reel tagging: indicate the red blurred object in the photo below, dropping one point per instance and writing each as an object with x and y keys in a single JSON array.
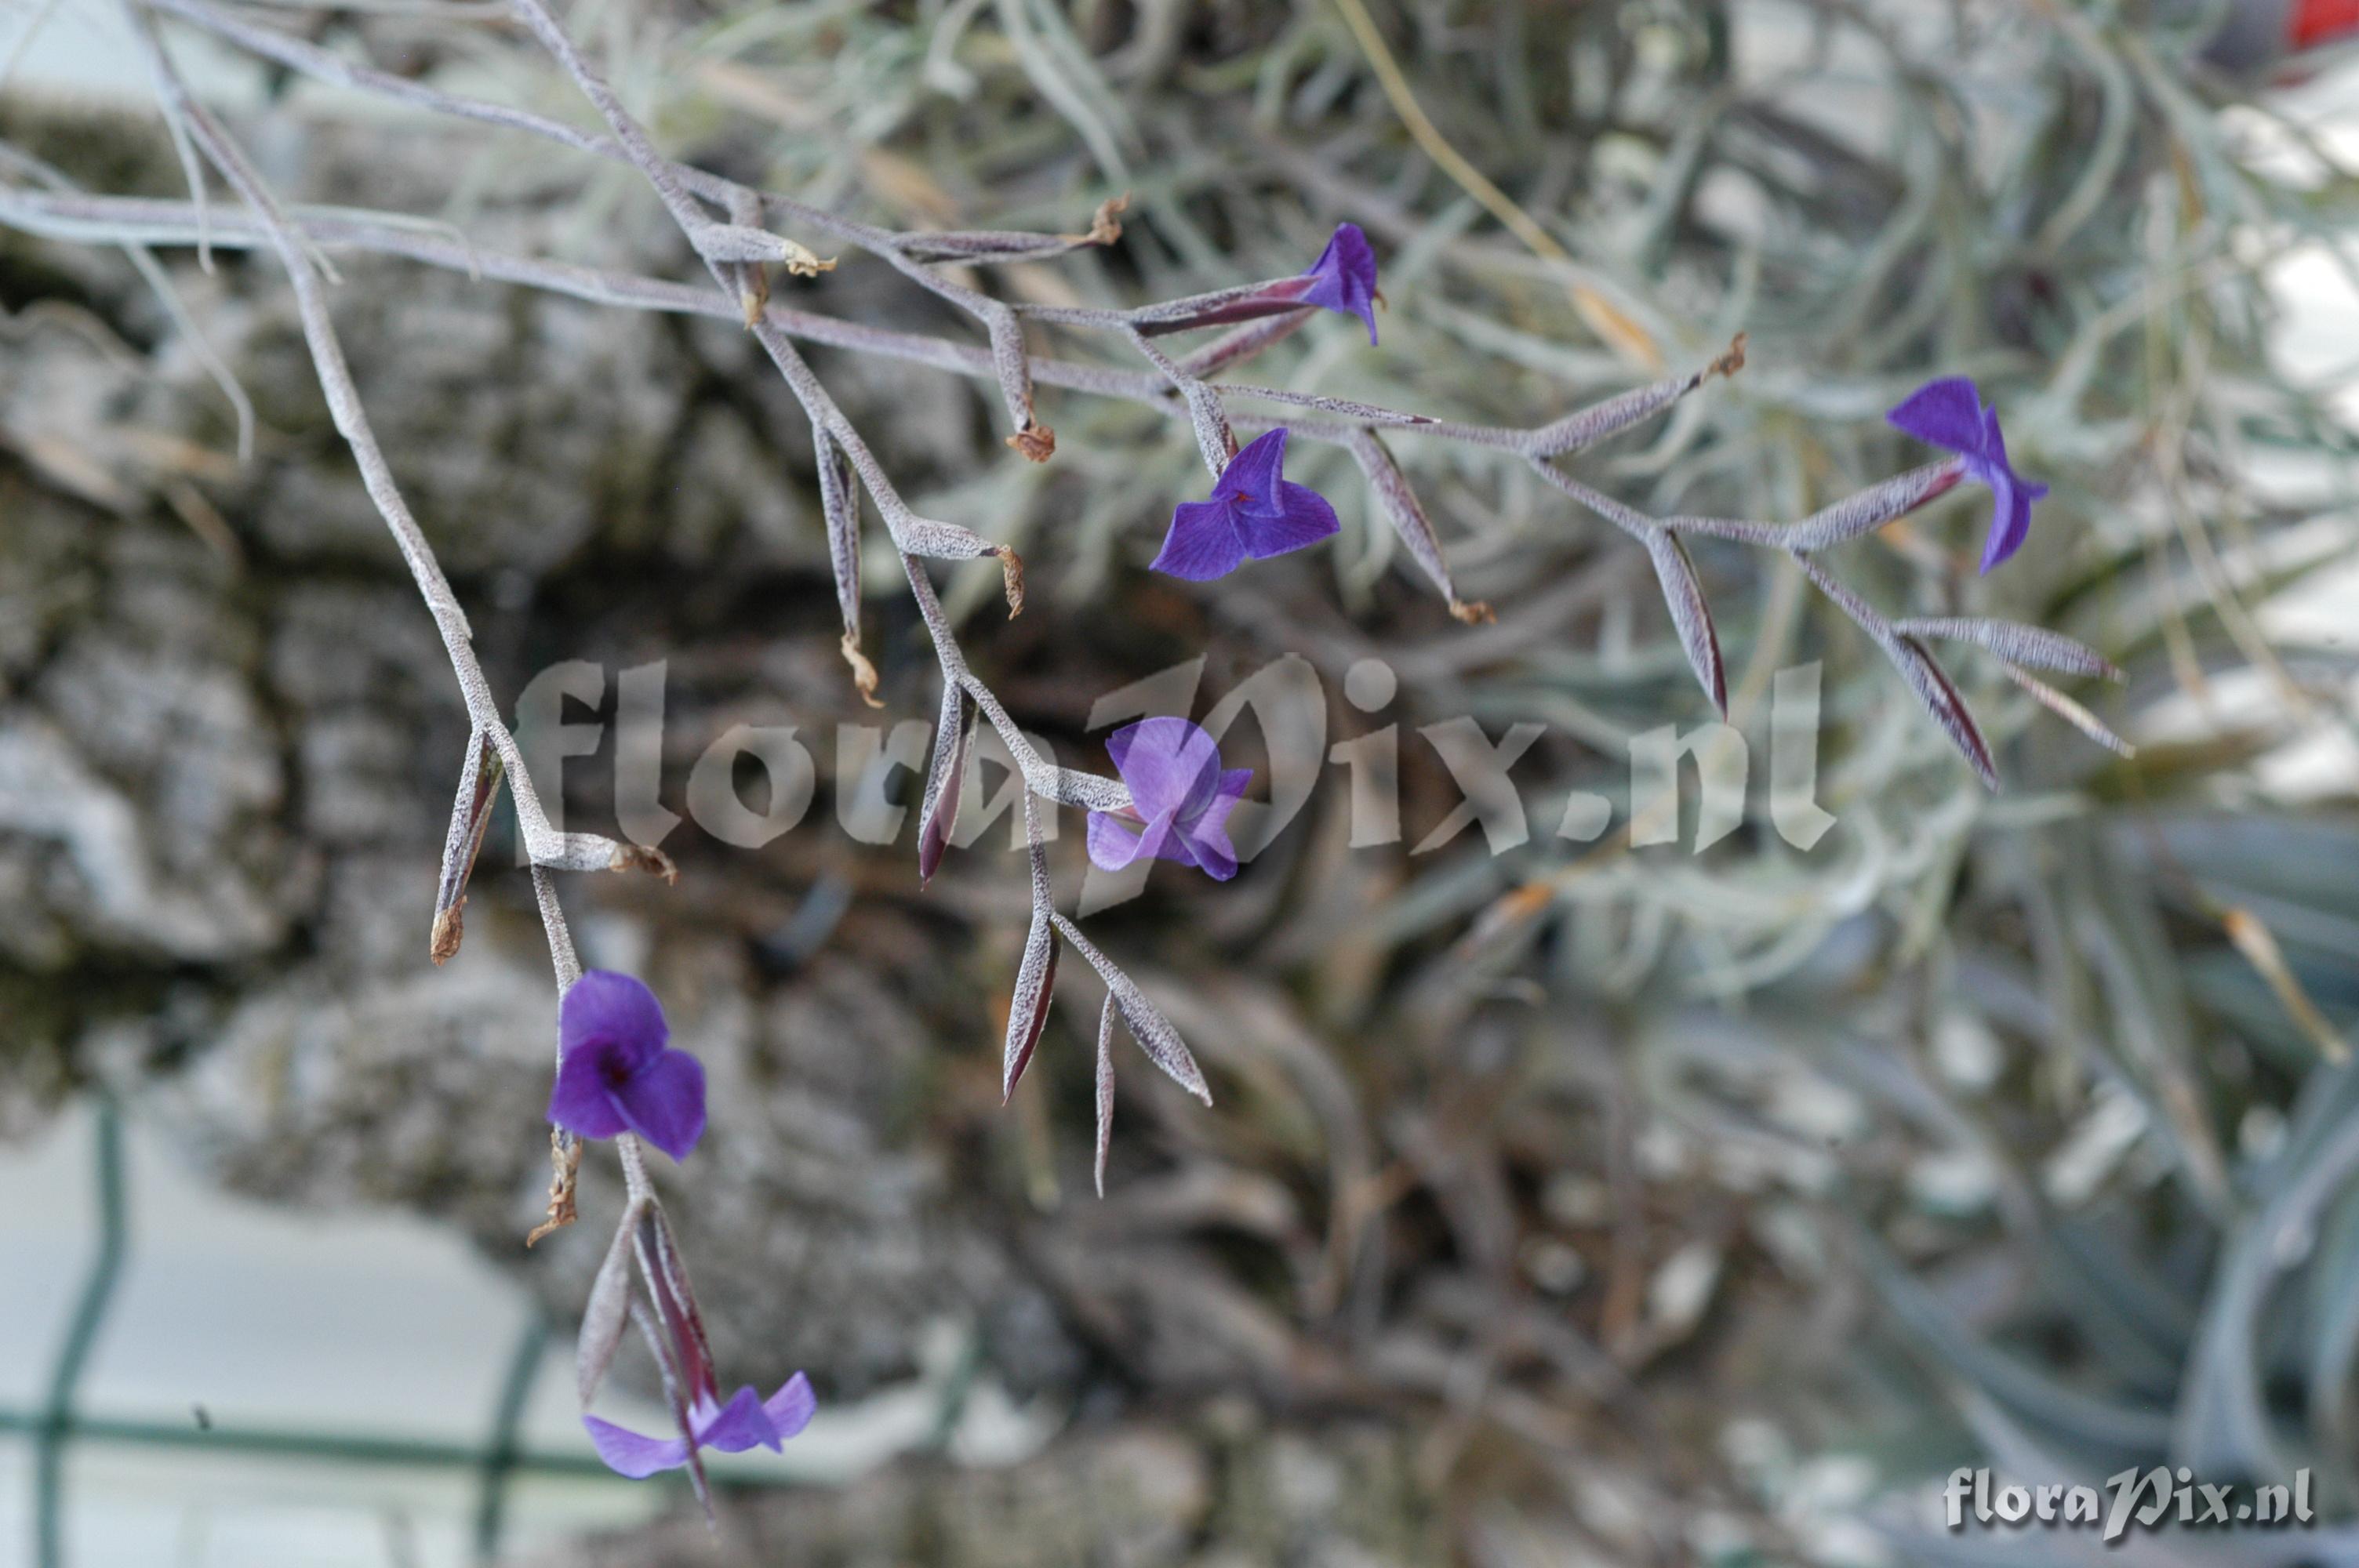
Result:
[
  {"x": 2323, "y": 21},
  {"x": 2260, "y": 35}
]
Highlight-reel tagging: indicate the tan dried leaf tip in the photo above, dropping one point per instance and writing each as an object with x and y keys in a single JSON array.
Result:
[
  {"x": 565, "y": 1162},
  {"x": 1105, "y": 228},
  {"x": 1729, "y": 363},
  {"x": 1036, "y": 441},
  {"x": 755, "y": 294},
  {"x": 449, "y": 930},
  {"x": 864, "y": 674},
  {"x": 1011, "y": 572},
  {"x": 1472, "y": 613},
  {"x": 629, "y": 856},
  {"x": 800, "y": 261}
]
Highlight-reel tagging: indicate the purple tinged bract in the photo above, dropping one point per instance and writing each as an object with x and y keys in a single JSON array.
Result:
[
  {"x": 1256, "y": 512},
  {"x": 617, "y": 1075},
  {"x": 1345, "y": 276},
  {"x": 1950, "y": 413},
  {"x": 1180, "y": 799},
  {"x": 747, "y": 1420}
]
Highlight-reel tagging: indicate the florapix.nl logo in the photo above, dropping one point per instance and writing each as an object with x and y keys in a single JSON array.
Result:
[
  {"x": 2152, "y": 1499},
  {"x": 752, "y": 784}
]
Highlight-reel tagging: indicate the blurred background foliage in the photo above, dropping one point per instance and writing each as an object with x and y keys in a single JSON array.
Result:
[{"x": 1579, "y": 1203}]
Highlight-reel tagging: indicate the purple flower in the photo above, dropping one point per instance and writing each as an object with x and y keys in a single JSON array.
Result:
[
  {"x": 1345, "y": 276},
  {"x": 616, "y": 1074},
  {"x": 1254, "y": 512},
  {"x": 1950, "y": 413},
  {"x": 747, "y": 1419},
  {"x": 1180, "y": 800}
]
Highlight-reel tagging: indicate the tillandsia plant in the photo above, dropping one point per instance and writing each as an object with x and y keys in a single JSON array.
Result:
[
  {"x": 1169, "y": 797},
  {"x": 615, "y": 1078}
]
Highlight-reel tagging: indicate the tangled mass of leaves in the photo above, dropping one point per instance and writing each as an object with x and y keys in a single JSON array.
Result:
[{"x": 1605, "y": 1073}]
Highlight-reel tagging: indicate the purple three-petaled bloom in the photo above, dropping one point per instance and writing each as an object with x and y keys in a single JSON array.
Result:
[
  {"x": 1255, "y": 510},
  {"x": 617, "y": 1075},
  {"x": 1180, "y": 799},
  {"x": 1950, "y": 413},
  {"x": 1345, "y": 276},
  {"x": 746, "y": 1420}
]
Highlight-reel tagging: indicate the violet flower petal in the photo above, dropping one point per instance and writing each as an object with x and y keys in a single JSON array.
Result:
[
  {"x": 1203, "y": 542},
  {"x": 581, "y": 1100},
  {"x": 1252, "y": 512},
  {"x": 739, "y": 1425},
  {"x": 1113, "y": 845},
  {"x": 627, "y": 1453},
  {"x": 1950, "y": 413},
  {"x": 1945, "y": 413},
  {"x": 663, "y": 1102},
  {"x": 792, "y": 1407},
  {"x": 1169, "y": 763},
  {"x": 1252, "y": 476},
  {"x": 1210, "y": 852},
  {"x": 2011, "y": 500},
  {"x": 1301, "y": 517},
  {"x": 603, "y": 1005},
  {"x": 1173, "y": 771},
  {"x": 1345, "y": 276}
]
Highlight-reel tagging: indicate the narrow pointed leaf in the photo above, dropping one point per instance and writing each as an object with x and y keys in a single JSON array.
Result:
[
  {"x": 1154, "y": 1033},
  {"x": 1873, "y": 507},
  {"x": 1246, "y": 302},
  {"x": 1105, "y": 1087},
  {"x": 2071, "y": 712},
  {"x": 1392, "y": 492},
  {"x": 470, "y": 813},
  {"x": 1036, "y": 977},
  {"x": 839, "y": 500},
  {"x": 2018, "y": 645},
  {"x": 945, "y": 541},
  {"x": 944, "y": 783},
  {"x": 1027, "y": 1009},
  {"x": 606, "y": 1312},
  {"x": 678, "y": 1402},
  {"x": 1690, "y": 613},
  {"x": 674, "y": 1301},
  {"x": 1587, "y": 427},
  {"x": 1236, "y": 347},
  {"x": 1927, "y": 679}
]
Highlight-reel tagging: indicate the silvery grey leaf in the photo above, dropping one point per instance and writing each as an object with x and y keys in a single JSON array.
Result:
[
  {"x": 1005, "y": 245},
  {"x": 1244, "y": 343},
  {"x": 1873, "y": 507},
  {"x": 1246, "y": 302},
  {"x": 2071, "y": 712},
  {"x": 1105, "y": 1087},
  {"x": 605, "y": 1313},
  {"x": 479, "y": 787},
  {"x": 1027, "y": 1008},
  {"x": 1927, "y": 679},
  {"x": 676, "y": 1402},
  {"x": 1587, "y": 427},
  {"x": 1690, "y": 613},
  {"x": 674, "y": 1301},
  {"x": 1394, "y": 495},
  {"x": 945, "y": 541},
  {"x": 1089, "y": 792},
  {"x": 2018, "y": 645},
  {"x": 1154, "y": 1033},
  {"x": 838, "y": 499},
  {"x": 1036, "y": 977},
  {"x": 1013, "y": 366},
  {"x": 944, "y": 783},
  {"x": 1343, "y": 407}
]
